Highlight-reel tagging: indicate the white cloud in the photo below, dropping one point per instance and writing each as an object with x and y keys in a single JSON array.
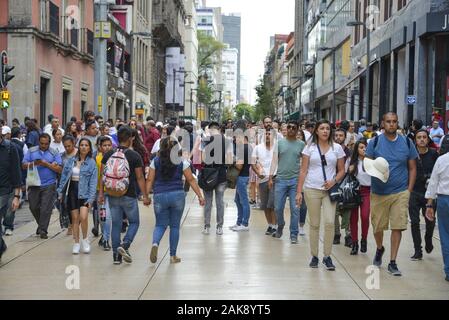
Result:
[{"x": 260, "y": 20}]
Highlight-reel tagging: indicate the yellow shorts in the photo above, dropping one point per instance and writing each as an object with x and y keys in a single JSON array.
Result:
[{"x": 389, "y": 211}]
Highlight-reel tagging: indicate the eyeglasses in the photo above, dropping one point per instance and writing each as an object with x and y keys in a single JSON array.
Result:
[{"x": 290, "y": 126}]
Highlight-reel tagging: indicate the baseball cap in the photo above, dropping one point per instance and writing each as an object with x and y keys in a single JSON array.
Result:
[{"x": 6, "y": 130}]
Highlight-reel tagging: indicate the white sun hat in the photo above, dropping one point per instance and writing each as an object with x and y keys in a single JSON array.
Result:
[{"x": 378, "y": 168}]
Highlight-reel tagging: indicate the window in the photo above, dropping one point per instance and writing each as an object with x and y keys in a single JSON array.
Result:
[
  {"x": 388, "y": 9},
  {"x": 74, "y": 37},
  {"x": 401, "y": 4},
  {"x": 54, "y": 18},
  {"x": 65, "y": 106},
  {"x": 90, "y": 42}
]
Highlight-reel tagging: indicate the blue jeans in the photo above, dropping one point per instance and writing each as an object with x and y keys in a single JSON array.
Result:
[
  {"x": 118, "y": 207},
  {"x": 168, "y": 208},
  {"x": 282, "y": 189},
  {"x": 443, "y": 228},
  {"x": 242, "y": 202},
  {"x": 5, "y": 211}
]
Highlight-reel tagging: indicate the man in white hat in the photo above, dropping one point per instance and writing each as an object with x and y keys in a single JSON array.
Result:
[
  {"x": 393, "y": 178},
  {"x": 6, "y": 132}
]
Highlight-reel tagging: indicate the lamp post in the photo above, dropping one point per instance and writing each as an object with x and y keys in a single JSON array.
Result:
[
  {"x": 368, "y": 60},
  {"x": 334, "y": 108}
]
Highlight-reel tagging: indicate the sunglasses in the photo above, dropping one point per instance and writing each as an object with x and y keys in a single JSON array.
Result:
[{"x": 292, "y": 127}]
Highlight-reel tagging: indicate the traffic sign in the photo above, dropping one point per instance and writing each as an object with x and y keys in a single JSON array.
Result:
[
  {"x": 5, "y": 99},
  {"x": 411, "y": 99}
]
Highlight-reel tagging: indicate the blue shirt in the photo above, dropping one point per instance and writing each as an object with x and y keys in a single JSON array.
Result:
[
  {"x": 397, "y": 153},
  {"x": 434, "y": 132},
  {"x": 47, "y": 176}
]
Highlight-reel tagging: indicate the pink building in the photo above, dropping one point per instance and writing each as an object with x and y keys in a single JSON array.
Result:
[{"x": 50, "y": 43}]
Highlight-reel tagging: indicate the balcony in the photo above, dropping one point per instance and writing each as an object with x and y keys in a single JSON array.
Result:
[
  {"x": 165, "y": 21},
  {"x": 87, "y": 41}
]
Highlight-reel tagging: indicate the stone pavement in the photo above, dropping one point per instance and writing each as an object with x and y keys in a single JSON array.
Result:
[{"x": 233, "y": 266}]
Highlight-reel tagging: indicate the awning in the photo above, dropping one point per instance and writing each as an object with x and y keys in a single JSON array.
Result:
[{"x": 293, "y": 116}]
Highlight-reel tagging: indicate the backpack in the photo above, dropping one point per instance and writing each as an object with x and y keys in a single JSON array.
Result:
[
  {"x": 116, "y": 174},
  {"x": 444, "y": 145},
  {"x": 376, "y": 141}
]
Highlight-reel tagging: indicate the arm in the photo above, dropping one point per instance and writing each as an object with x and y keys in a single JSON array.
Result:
[
  {"x": 411, "y": 174},
  {"x": 93, "y": 186},
  {"x": 141, "y": 182},
  {"x": 150, "y": 181},
  {"x": 273, "y": 166},
  {"x": 191, "y": 180},
  {"x": 302, "y": 179},
  {"x": 431, "y": 192}
]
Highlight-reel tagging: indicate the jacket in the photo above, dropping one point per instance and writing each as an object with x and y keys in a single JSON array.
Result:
[{"x": 87, "y": 186}]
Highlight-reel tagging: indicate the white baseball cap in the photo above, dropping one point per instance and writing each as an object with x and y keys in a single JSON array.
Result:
[
  {"x": 378, "y": 168},
  {"x": 6, "y": 130},
  {"x": 159, "y": 124}
]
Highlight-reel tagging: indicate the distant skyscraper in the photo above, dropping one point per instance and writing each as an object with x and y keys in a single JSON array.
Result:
[{"x": 232, "y": 36}]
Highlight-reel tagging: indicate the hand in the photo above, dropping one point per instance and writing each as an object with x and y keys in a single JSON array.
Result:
[
  {"x": 146, "y": 201},
  {"x": 100, "y": 198},
  {"x": 270, "y": 184},
  {"x": 15, "y": 204},
  {"x": 329, "y": 184},
  {"x": 298, "y": 199},
  {"x": 430, "y": 214},
  {"x": 87, "y": 205},
  {"x": 202, "y": 201}
]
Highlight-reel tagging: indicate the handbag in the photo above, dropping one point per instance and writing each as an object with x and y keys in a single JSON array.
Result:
[
  {"x": 208, "y": 178},
  {"x": 33, "y": 179},
  {"x": 232, "y": 175},
  {"x": 334, "y": 192},
  {"x": 350, "y": 193}
]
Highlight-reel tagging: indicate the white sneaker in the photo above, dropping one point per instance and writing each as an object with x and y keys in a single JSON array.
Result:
[
  {"x": 206, "y": 230},
  {"x": 86, "y": 245},
  {"x": 76, "y": 248},
  {"x": 219, "y": 231},
  {"x": 302, "y": 232},
  {"x": 8, "y": 232},
  {"x": 233, "y": 227},
  {"x": 241, "y": 228}
]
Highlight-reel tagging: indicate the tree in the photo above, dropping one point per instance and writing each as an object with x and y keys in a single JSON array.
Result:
[
  {"x": 264, "y": 103},
  {"x": 244, "y": 111},
  {"x": 209, "y": 52},
  {"x": 227, "y": 114}
]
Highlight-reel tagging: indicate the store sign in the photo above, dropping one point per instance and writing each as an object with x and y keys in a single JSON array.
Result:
[
  {"x": 437, "y": 22},
  {"x": 411, "y": 99},
  {"x": 102, "y": 30}
]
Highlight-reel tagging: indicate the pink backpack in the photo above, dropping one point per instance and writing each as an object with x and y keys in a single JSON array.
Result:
[{"x": 116, "y": 174}]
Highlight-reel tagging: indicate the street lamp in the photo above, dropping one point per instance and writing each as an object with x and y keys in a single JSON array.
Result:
[
  {"x": 368, "y": 49},
  {"x": 334, "y": 110}
]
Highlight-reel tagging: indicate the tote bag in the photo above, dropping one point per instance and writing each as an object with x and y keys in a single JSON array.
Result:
[{"x": 33, "y": 179}]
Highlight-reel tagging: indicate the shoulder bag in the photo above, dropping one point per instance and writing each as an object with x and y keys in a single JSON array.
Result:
[{"x": 334, "y": 192}]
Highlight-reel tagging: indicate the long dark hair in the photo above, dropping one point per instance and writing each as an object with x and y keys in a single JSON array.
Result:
[
  {"x": 315, "y": 138},
  {"x": 69, "y": 131},
  {"x": 355, "y": 155},
  {"x": 168, "y": 168},
  {"x": 138, "y": 145},
  {"x": 31, "y": 126},
  {"x": 89, "y": 154}
]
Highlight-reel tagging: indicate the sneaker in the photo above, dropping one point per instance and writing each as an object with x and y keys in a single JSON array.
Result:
[
  {"x": 106, "y": 246},
  {"x": 328, "y": 263},
  {"x": 277, "y": 234},
  {"x": 355, "y": 248},
  {"x": 86, "y": 245},
  {"x": 43, "y": 234},
  {"x": 429, "y": 246},
  {"x": 393, "y": 269},
  {"x": 302, "y": 232},
  {"x": 153, "y": 253},
  {"x": 417, "y": 256},
  {"x": 348, "y": 241},
  {"x": 363, "y": 246},
  {"x": 76, "y": 248},
  {"x": 293, "y": 240},
  {"x": 117, "y": 258},
  {"x": 124, "y": 253},
  {"x": 38, "y": 231},
  {"x": 378, "y": 258},
  {"x": 269, "y": 231},
  {"x": 233, "y": 227},
  {"x": 219, "y": 231},
  {"x": 252, "y": 202},
  {"x": 95, "y": 232},
  {"x": 314, "y": 262},
  {"x": 337, "y": 239},
  {"x": 175, "y": 259},
  {"x": 8, "y": 232},
  {"x": 101, "y": 242},
  {"x": 241, "y": 228},
  {"x": 206, "y": 230},
  {"x": 273, "y": 231}
]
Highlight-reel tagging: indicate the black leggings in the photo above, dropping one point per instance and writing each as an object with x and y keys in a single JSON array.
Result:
[{"x": 73, "y": 203}]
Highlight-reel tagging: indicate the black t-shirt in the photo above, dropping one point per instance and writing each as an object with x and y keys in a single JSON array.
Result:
[
  {"x": 220, "y": 166},
  {"x": 135, "y": 161},
  {"x": 247, "y": 151},
  {"x": 424, "y": 167}
]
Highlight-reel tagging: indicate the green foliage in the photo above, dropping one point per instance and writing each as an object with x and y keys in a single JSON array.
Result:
[
  {"x": 244, "y": 111},
  {"x": 209, "y": 52},
  {"x": 227, "y": 113},
  {"x": 265, "y": 101}
]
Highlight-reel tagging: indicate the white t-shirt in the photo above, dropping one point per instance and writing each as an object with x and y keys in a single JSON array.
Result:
[
  {"x": 307, "y": 136},
  {"x": 57, "y": 146},
  {"x": 363, "y": 177},
  {"x": 264, "y": 156},
  {"x": 315, "y": 178}
]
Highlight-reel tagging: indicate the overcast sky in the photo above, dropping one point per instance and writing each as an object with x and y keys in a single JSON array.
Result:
[{"x": 260, "y": 20}]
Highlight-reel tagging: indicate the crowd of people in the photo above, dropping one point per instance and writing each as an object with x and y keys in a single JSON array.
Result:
[{"x": 105, "y": 168}]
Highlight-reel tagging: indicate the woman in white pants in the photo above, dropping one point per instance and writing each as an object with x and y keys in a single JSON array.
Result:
[{"x": 322, "y": 167}]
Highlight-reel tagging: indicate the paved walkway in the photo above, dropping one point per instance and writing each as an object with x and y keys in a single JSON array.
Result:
[{"x": 246, "y": 265}]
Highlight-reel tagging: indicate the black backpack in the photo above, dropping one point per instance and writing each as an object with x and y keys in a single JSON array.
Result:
[{"x": 444, "y": 148}]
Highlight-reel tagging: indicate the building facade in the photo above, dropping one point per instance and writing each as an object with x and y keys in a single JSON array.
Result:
[
  {"x": 232, "y": 35},
  {"x": 50, "y": 43},
  {"x": 230, "y": 77}
]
